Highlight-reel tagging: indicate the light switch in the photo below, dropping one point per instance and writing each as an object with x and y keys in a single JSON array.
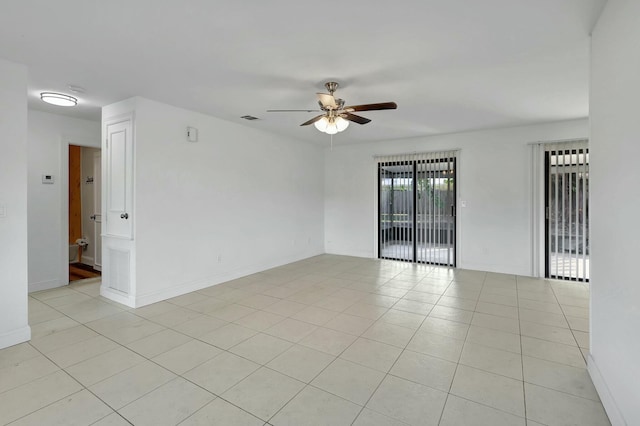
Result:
[
  {"x": 463, "y": 203},
  {"x": 192, "y": 134},
  {"x": 47, "y": 179},
  {"x": 3, "y": 212}
]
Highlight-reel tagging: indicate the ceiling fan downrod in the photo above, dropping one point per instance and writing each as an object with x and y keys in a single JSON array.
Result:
[{"x": 331, "y": 86}]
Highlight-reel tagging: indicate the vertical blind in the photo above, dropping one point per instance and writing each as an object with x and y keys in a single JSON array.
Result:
[
  {"x": 567, "y": 210},
  {"x": 417, "y": 207}
]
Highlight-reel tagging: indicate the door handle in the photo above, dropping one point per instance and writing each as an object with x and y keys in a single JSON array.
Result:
[{"x": 124, "y": 216}]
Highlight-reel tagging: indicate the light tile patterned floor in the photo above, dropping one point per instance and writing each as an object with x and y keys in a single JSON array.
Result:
[{"x": 330, "y": 340}]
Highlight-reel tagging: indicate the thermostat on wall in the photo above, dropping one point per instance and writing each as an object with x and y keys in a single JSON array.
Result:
[{"x": 47, "y": 179}]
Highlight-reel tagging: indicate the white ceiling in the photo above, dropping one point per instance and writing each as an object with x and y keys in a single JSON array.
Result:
[{"x": 451, "y": 65}]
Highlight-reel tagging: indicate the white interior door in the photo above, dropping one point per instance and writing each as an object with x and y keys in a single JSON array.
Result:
[
  {"x": 119, "y": 176},
  {"x": 97, "y": 210}
]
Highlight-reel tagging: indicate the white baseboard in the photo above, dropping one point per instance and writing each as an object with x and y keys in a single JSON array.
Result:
[
  {"x": 117, "y": 296},
  {"x": 15, "y": 336},
  {"x": 179, "y": 290},
  {"x": 354, "y": 253},
  {"x": 45, "y": 285},
  {"x": 87, "y": 260},
  {"x": 610, "y": 406}
]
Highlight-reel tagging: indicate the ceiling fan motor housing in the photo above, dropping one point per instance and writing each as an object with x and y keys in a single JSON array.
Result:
[{"x": 331, "y": 86}]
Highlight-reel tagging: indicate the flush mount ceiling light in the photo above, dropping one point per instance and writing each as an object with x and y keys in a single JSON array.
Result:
[{"x": 58, "y": 99}]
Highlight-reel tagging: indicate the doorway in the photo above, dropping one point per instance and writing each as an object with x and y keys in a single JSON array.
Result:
[
  {"x": 567, "y": 212},
  {"x": 417, "y": 208},
  {"x": 84, "y": 213}
]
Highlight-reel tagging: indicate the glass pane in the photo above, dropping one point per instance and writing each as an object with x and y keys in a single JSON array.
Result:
[
  {"x": 396, "y": 211},
  {"x": 417, "y": 220},
  {"x": 568, "y": 225},
  {"x": 435, "y": 220}
]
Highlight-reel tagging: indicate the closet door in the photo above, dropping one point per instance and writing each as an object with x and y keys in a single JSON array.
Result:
[{"x": 119, "y": 178}]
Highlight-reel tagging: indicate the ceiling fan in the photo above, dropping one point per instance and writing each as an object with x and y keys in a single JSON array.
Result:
[{"x": 336, "y": 116}]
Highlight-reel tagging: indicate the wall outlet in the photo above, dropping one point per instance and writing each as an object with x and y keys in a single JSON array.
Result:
[{"x": 219, "y": 258}]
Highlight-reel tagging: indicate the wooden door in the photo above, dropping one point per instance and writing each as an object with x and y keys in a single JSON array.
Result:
[{"x": 75, "y": 196}]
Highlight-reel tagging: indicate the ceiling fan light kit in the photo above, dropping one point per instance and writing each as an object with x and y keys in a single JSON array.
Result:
[
  {"x": 335, "y": 116},
  {"x": 331, "y": 125}
]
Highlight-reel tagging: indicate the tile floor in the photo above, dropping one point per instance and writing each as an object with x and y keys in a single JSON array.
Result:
[{"x": 330, "y": 340}]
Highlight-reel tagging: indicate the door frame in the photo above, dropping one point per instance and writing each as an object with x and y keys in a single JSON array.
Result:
[
  {"x": 97, "y": 179},
  {"x": 539, "y": 197},
  {"x": 65, "y": 141},
  {"x": 546, "y": 216}
]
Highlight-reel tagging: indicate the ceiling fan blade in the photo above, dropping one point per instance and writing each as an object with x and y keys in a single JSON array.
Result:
[
  {"x": 355, "y": 118},
  {"x": 313, "y": 120},
  {"x": 371, "y": 107},
  {"x": 293, "y": 110},
  {"x": 327, "y": 100}
]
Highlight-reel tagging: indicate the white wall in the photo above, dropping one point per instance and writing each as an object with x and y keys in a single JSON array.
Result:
[
  {"x": 494, "y": 180},
  {"x": 14, "y": 326},
  {"x": 250, "y": 198},
  {"x": 48, "y": 141},
  {"x": 615, "y": 203}
]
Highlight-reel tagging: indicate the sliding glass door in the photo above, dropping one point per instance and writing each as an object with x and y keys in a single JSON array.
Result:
[
  {"x": 417, "y": 208},
  {"x": 567, "y": 212},
  {"x": 396, "y": 210}
]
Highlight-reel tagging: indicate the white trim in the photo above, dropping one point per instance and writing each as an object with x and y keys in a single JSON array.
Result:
[
  {"x": 376, "y": 211},
  {"x": 537, "y": 225},
  {"x": 87, "y": 260},
  {"x": 45, "y": 285},
  {"x": 14, "y": 337},
  {"x": 377, "y": 157},
  {"x": 116, "y": 296},
  {"x": 174, "y": 291},
  {"x": 64, "y": 205},
  {"x": 609, "y": 403},
  {"x": 559, "y": 141},
  {"x": 459, "y": 210}
]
